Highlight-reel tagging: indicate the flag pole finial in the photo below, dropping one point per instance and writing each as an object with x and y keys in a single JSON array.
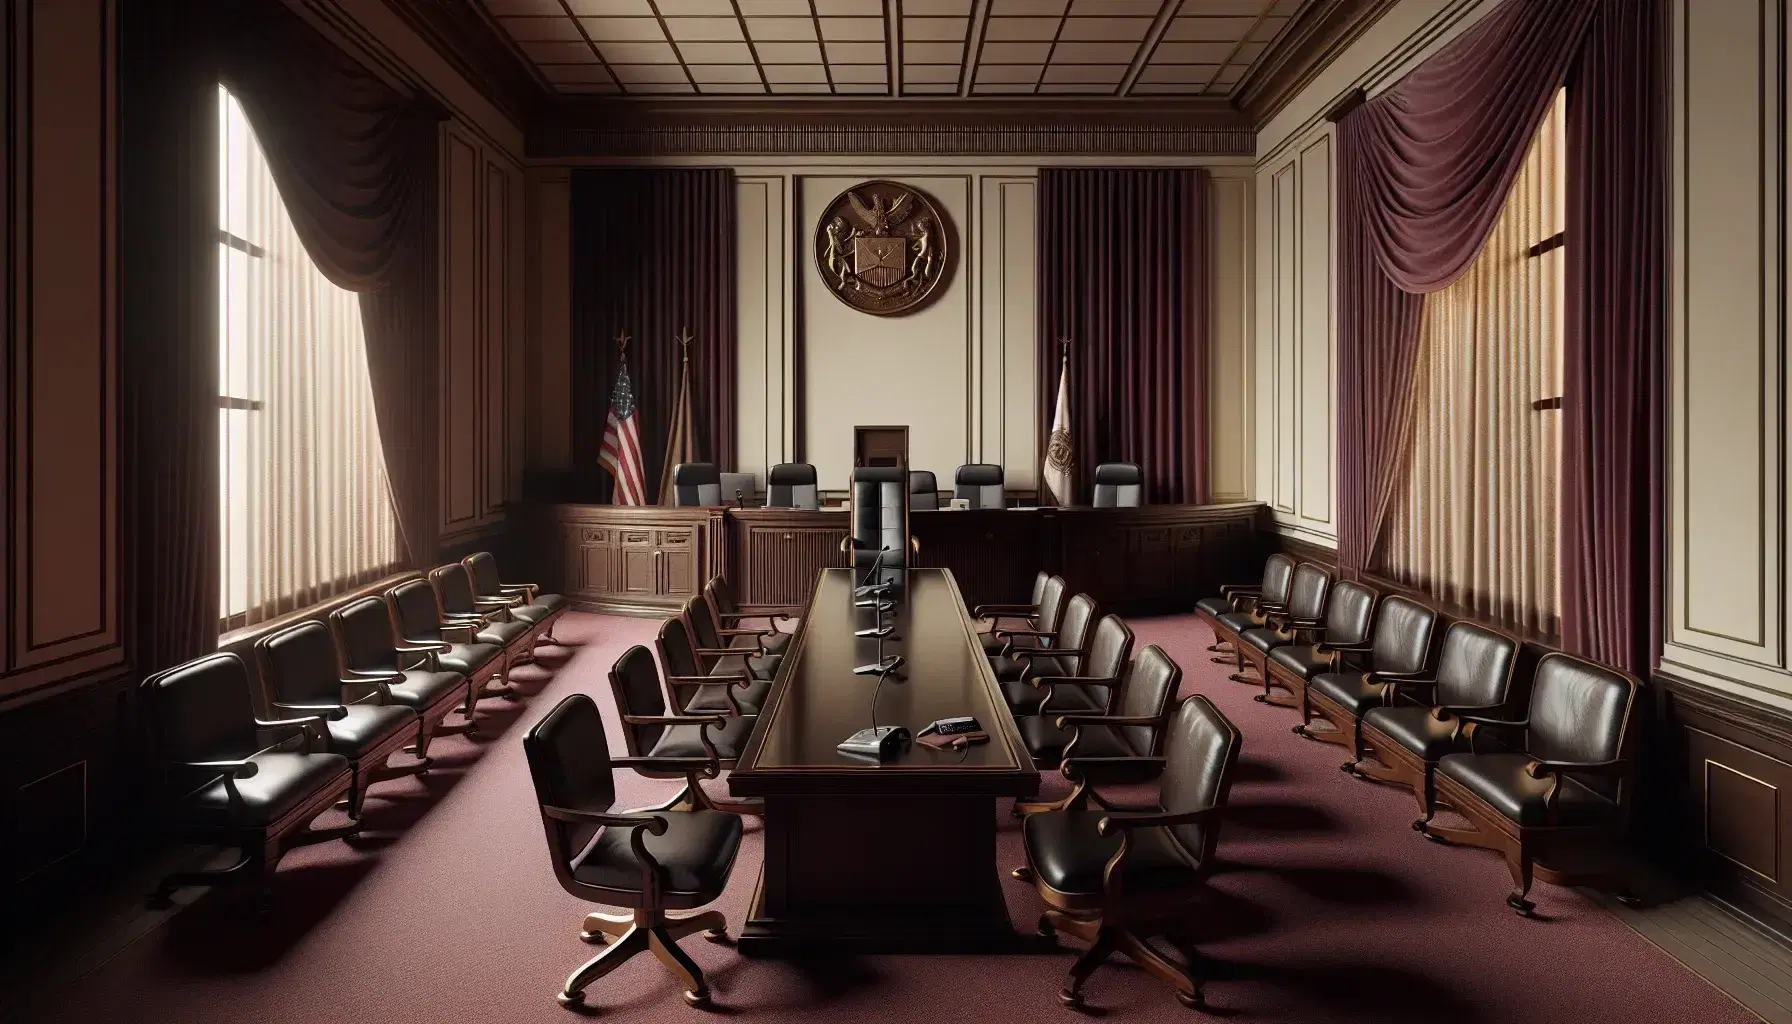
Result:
[
  {"x": 622, "y": 340},
  {"x": 683, "y": 337},
  {"x": 1064, "y": 348}
]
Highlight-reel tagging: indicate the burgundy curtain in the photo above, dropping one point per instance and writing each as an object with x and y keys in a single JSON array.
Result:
[
  {"x": 1423, "y": 170},
  {"x": 1614, "y": 400},
  {"x": 1122, "y": 272},
  {"x": 652, "y": 254},
  {"x": 355, "y": 161}
]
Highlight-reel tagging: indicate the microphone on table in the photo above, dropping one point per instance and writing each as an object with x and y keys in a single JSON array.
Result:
[
  {"x": 866, "y": 588},
  {"x": 880, "y": 742},
  {"x": 740, "y": 499}
]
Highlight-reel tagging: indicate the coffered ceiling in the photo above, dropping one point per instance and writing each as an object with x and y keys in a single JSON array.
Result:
[{"x": 1136, "y": 49}]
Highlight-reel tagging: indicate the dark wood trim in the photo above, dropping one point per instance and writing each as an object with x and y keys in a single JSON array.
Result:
[
  {"x": 1347, "y": 103},
  {"x": 461, "y": 32},
  {"x": 1308, "y": 46},
  {"x": 1555, "y": 241}
]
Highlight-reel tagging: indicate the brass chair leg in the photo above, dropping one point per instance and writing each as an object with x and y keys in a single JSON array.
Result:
[
  {"x": 711, "y": 923},
  {"x": 626, "y": 945},
  {"x": 163, "y": 896},
  {"x": 1188, "y": 990},
  {"x": 1072, "y": 994},
  {"x": 665, "y": 949},
  {"x": 601, "y": 927}
]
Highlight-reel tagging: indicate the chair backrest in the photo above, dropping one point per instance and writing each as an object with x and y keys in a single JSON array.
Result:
[
  {"x": 738, "y": 489},
  {"x": 1349, "y": 613},
  {"x": 791, "y": 485},
  {"x": 635, "y": 683},
  {"x": 923, "y": 490},
  {"x": 981, "y": 484},
  {"x": 569, "y": 762},
  {"x": 1109, "y": 648},
  {"x": 696, "y": 483},
  {"x": 1580, "y": 711},
  {"x": 1150, "y": 685},
  {"x": 299, "y": 665},
  {"x": 364, "y": 630},
  {"x": 704, "y": 631},
  {"x": 1476, "y": 666},
  {"x": 1200, "y": 752},
  {"x": 1040, "y": 579},
  {"x": 677, "y": 652},
  {"x": 1402, "y": 638},
  {"x": 1119, "y": 485},
  {"x": 720, "y": 597},
  {"x": 1051, "y": 604},
  {"x": 879, "y": 517},
  {"x": 1307, "y": 591},
  {"x": 1073, "y": 631},
  {"x": 482, "y": 569},
  {"x": 414, "y": 610},
  {"x": 201, "y": 710},
  {"x": 454, "y": 588},
  {"x": 1278, "y": 576}
]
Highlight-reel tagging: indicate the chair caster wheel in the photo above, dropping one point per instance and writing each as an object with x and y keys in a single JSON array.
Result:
[
  {"x": 1046, "y": 928},
  {"x": 697, "y": 997},
  {"x": 1299, "y": 730},
  {"x": 719, "y": 936},
  {"x": 1520, "y": 906},
  {"x": 1196, "y": 1001},
  {"x": 569, "y": 999},
  {"x": 1628, "y": 898},
  {"x": 1418, "y": 825},
  {"x": 1022, "y": 874},
  {"x": 1348, "y": 767},
  {"x": 1071, "y": 1000},
  {"x": 1260, "y": 698},
  {"x": 595, "y": 938}
]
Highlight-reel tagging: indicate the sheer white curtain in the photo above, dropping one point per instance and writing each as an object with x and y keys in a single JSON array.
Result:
[
  {"x": 306, "y": 512},
  {"x": 1477, "y": 521}
]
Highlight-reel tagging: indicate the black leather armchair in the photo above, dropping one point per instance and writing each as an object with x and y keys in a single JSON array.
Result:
[
  {"x": 1060, "y": 654},
  {"x": 731, "y": 614},
  {"x": 300, "y": 675},
  {"x": 1119, "y": 485},
  {"x": 1128, "y": 726},
  {"x": 1556, "y": 804},
  {"x": 1239, "y": 608},
  {"x": 1308, "y": 590},
  {"x": 526, "y": 600},
  {"x": 923, "y": 490},
  {"x": 980, "y": 483},
  {"x": 419, "y": 624},
  {"x": 698, "y": 689},
  {"x": 229, "y": 778},
  {"x": 486, "y": 622},
  {"x": 1399, "y": 650},
  {"x": 1116, "y": 879},
  {"x": 1349, "y": 612},
  {"x": 696, "y": 483},
  {"x": 1038, "y": 622},
  {"x": 989, "y": 616},
  {"x": 1405, "y": 741},
  {"x": 650, "y": 730},
  {"x": 792, "y": 485},
  {"x": 373, "y": 656},
  {"x": 1089, "y": 689},
  {"x": 880, "y": 535},
  {"x": 728, "y": 649},
  {"x": 651, "y": 861}
]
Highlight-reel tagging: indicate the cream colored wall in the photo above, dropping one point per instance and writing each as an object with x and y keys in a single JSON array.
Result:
[{"x": 1727, "y": 603}]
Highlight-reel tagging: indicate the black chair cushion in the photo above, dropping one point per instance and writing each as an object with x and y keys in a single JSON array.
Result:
[
  {"x": 1045, "y": 741},
  {"x": 1238, "y": 622},
  {"x": 468, "y": 658},
  {"x": 366, "y": 725},
  {"x": 758, "y": 668},
  {"x": 283, "y": 781},
  {"x": 1414, "y": 729},
  {"x": 502, "y": 634},
  {"x": 1500, "y": 779},
  {"x": 774, "y": 643},
  {"x": 1070, "y": 855},
  {"x": 695, "y": 854},
  {"x": 687, "y": 741},
  {"x": 1266, "y": 639},
  {"x": 714, "y": 698},
  {"x": 1303, "y": 660},
  {"x": 422, "y": 688},
  {"x": 1215, "y": 606},
  {"x": 543, "y": 606},
  {"x": 1349, "y": 690},
  {"x": 1024, "y": 698}
]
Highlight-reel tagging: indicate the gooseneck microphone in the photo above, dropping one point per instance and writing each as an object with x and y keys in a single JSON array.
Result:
[
  {"x": 740, "y": 498},
  {"x": 880, "y": 742}
]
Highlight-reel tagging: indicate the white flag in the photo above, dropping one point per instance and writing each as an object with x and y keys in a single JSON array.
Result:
[{"x": 1060, "y": 456}]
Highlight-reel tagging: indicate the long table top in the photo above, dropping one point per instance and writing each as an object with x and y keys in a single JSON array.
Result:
[{"x": 816, "y": 701}]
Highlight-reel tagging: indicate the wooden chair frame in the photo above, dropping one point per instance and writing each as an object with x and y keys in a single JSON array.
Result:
[
  {"x": 1251, "y": 660},
  {"x": 476, "y": 680},
  {"x": 1251, "y": 595},
  {"x": 515, "y": 595}
]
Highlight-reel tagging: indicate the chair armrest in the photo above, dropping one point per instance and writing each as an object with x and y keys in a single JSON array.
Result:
[
  {"x": 708, "y": 767},
  {"x": 528, "y": 588},
  {"x": 238, "y": 769},
  {"x": 737, "y": 678},
  {"x": 422, "y": 645},
  {"x": 1041, "y": 682},
  {"x": 1326, "y": 648},
  {"x": 754, "y": 651},
  {"x": 1540, "y": 767},
  {"x": 984, "y": 610},
  {"x": 746, "y": 632},
  {"x": 382, "y": 684},
  {"x": 1116, "y": 821},
  {"x": 715, "y": 720},
  {"x": 310, "y": 726},
  {"x": 1072, "y": 721},
  {"x": 638, "y": 824},
  {"x": 508, "y": 601},
  {"x": 1240, "y": 589},
  {"x": 1043, "y": 652},
  {"x": 1518, "y": 723},
  {"x": 1011, "y": 633},
  {"x": 1119, "y": 771},
  {"x": 326, "y": 712}
]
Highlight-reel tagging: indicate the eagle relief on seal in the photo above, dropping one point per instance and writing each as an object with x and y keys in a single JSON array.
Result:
[{"x": 883, "y": 248}]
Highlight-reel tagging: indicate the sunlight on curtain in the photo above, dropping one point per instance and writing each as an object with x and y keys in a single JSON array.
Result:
[
  {"x": 1476, "y": 522},
  {"x": 306, "y": 512}
]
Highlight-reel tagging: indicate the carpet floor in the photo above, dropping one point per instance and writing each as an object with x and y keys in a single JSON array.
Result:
[{"x": 1328, "y": 908}]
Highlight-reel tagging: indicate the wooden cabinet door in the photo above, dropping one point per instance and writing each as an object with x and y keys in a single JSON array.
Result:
[
  {"x": 597, "y": 560},
  {"x": 640, "y": 562},
  {"x": 678, "y": 563}
]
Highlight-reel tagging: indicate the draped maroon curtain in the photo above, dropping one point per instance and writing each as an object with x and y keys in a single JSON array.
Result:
[
  {"x": 1423, "y": 170},
  {"x": 1614, "y": 400},
  {"x": 653, "y": 254},
  {"x": 1122, "y": 272},
  {"x": 355, "y": 161}
]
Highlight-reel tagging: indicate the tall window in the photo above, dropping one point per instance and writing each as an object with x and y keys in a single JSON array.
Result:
[
  {"x": 305, "y": 508},
  {"x": 1476, "y": 523}
]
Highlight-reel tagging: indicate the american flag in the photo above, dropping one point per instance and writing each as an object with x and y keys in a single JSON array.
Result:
[{"x": 621, "y": 452}]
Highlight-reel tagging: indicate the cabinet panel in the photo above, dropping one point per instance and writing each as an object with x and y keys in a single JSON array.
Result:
[
  {"x": 678, "y": 563},
  {"x": 640, "y": 571}
]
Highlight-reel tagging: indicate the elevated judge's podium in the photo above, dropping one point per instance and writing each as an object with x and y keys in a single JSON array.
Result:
[{"x": 649, "y": 560}]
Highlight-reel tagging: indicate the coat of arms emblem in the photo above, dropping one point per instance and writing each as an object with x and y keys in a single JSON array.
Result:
[{"x": 882, "y": 248}]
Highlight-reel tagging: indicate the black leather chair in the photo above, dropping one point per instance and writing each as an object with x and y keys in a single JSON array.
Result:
[
  {"x": 731, "y": 614},
  {"x": 1308, "y": 590},
  {"x": 418, "y": 622},
  {"x": 371, "y": 655},
  {"x": 1095, "y": 674},
  {"x": 1116, "y": 879},
  {"x": 1399, "y": 650},
  {"x": 980, "y": 483},
  {"x": 1405, "y": 742},
  {"x": 719, "y": 648},
  {"x": 880, "y": 535},
  {"x": 989, "y": 616},
  {"x": 792, "y": 485},
  {"x": 698, "y": 689},
  {"x": 923, "y": 490},
  {"x": 651, "y": 861},
  {"x": 1349, "y": 612},
  {"x": 526, "y": 600},
  {"x": 1058, "y": 655},
  {"x": 488, "y": 622},
  {"x": 1039, "y": 632},
  {"x": 228, "y": 778},
  {"x": 1119, "y": 485},
  {"x": 1239, "y": 608},
  {"x": 1556, "y": 804},
  {"x": 300, "y": 674},
  {"x": 649, "y": 730},
  {"x": 696, "y": 483},
  {"x": 1130, "y": 726}
]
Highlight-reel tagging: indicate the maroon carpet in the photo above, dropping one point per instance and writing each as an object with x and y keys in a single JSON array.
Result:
[{"x": 1331, "y": 909}]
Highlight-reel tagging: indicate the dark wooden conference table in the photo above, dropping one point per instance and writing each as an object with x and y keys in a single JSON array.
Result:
[{"x": 891, "y": 857}]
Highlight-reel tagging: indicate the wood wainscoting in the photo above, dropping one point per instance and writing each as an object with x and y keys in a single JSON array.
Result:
[{"x": 631, "y": 559}]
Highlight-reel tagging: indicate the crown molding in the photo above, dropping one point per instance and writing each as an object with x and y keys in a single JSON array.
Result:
[
  {"x": 580, "y": 127},
  {"x": 462, "y": 33},
  {"x": 1318, "y": 34}
]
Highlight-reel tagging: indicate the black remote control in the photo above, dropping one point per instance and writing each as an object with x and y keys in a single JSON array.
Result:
[{"x": 954, "y": 726}]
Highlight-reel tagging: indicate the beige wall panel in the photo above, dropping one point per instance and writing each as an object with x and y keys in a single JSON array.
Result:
[
  {"x": 762, "y": 367},
  {"x": 1229, "y": 425},
  {"x": 1263, "y": 340},
  {"x": 461, "y": 330},
  {"x": 516, "y": 333},
  {"x": 494, "y": 251},
  {"x": 1006, "y": 397},
  {"x": 1286, "y": 285},
  {"x": 1315, "y": 414},
  {"x": 550, "y": 308}
]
